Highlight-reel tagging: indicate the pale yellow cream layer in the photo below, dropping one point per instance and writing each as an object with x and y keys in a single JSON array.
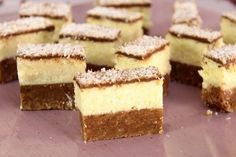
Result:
[
  {"x": 214, "y": 74},
  {"x": 125, "y": 97},
  {"x": 189, "y": 51},
  {"x": 159, "y": 60},
  {"x": 129, "y": 31},
  {"x": 48, "y": 71},
  {"x": 8, "y": 46},
  {"x": 98, "y": 53},
  {"x": 228, "y": 30}
]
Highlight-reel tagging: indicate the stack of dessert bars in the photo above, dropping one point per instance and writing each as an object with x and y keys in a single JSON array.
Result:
[{"x": 107, "y": 70}]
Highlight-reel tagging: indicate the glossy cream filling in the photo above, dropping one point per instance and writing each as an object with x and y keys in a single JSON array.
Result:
[
  {"x": 48, "y": 71},
  {"x": 228, "y": 30},
  {"x": 159, "y": 59},
  {"x": 97, "y": 53},
  {"x": 129, "y": 31},
  {"x": 8, "y": 45},
  {"x": 216, "y": 75},
  {"x": 189, "y": 51},
  {"x": 124, "y": 97}
]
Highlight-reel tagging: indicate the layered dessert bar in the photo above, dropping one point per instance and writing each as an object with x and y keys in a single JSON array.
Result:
[
  {"x": 100, "y": 43},
  {"x": 187, "y": 47},
  {"x": 58, "y": 13},
  {"x": 12, "y": 33},
  {"x": 144, "y": 52},
  {"x": 219, "y": 78},
  {"x": 46, "y": 74},
  {"x": 228, "y": 25},
  {"x": 186, "y": 12},
  {"x": 120, "y": 19},
  {"x": 141, "y": 6},
  {"x": 119, "y": 103}
]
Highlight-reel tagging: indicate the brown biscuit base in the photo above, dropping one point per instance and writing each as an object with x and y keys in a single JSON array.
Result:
[
  {"x": 186, "y": 74},
  {"x": 8, "y": 70},
  {"x": 223, "y": 100},
  {"x": 94, "y": 67},
  {"x": 166, "y": 85},
  {"x": 46, "y": 97},
  {"x": 122, "y": 124},
  {"x": 146, "y": 31}
]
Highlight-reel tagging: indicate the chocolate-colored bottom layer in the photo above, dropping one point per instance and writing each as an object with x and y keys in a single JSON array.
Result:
[
  {"x": 186, "y": 74},
  {"x": 122, "y": 124},
  {"x": 166, "y": 85},
  {"x": 223, "y": 100},
  {"x": 45, "y": 97},
  {"x": 94, "y": 67},
  {"x": 146, "y": 31},
  {"x": 8, "y": 70}
]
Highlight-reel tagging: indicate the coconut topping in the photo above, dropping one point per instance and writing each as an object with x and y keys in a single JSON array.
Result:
[
  {"x": 53, "y": 10},
  {"x": 195, "y": 32},
  {"x": 114, "y": 14},
  {"x": 113, "y": 76},
  {"x": 143, "y": 47},
  {"x": 89, "y": 31},
  {"x": 24, "y": 25},
  {"x": 34, "y": 51}
]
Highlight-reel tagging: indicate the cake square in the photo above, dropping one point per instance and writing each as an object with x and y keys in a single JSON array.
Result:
[
  {"x": 228, "y": 25},
  {"x": 119, "y": 103},
  {"x": 100, "y": 43},
  {"x": 46, "y": 74},
  {"x": 187, "y": 47},
  {"x": 219, "y": 78},
  {"x": 144, "y": 52},
  {"x": 186, "y": 12},
  {"x": 12, "y": 33},
  {"x": 118, "y": 18},
  {"x": 58, "y": 13},
  {"x": 141, "y": 6}
]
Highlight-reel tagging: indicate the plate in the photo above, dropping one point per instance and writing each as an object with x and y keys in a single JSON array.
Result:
[{"x": 187, "y": 129}]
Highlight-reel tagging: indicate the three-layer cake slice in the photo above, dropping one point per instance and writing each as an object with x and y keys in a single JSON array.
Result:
[
  {"x": 130, "y": 23},
  {"x": 186, "y": 12},
  {"x": 188, "y": 46},
  {"x": 58, "y": 13},
  {"x": 45, "y": 75},
  {"x": 143, "y": 52},
  {"x": 219, "y": 78},
  {"x": 100, "y": 43},
  {"x": 119, "y": 103},
  {"x": 141, "y": 6},
  {"x": 12, "y": 33}
]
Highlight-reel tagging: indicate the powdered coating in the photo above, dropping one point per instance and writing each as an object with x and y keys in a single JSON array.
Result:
[
  {"x": 113, "y": 76},
  {"x": 24, "y": 25},
  {"x": 124, "y": 2},
  {"x": 186, "y": 12},
  {"x": 114, "y": 14},
  {"x": 230, "y": 15},
  {"x": 143, "y": 46},
  {"x": 195, "y": 32},
  {"x": 89, "y": 31},
  {"x": 34, "y": 51},
  {"x": 223, "y": 55},
  {"x": 53, "y": 10}
]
